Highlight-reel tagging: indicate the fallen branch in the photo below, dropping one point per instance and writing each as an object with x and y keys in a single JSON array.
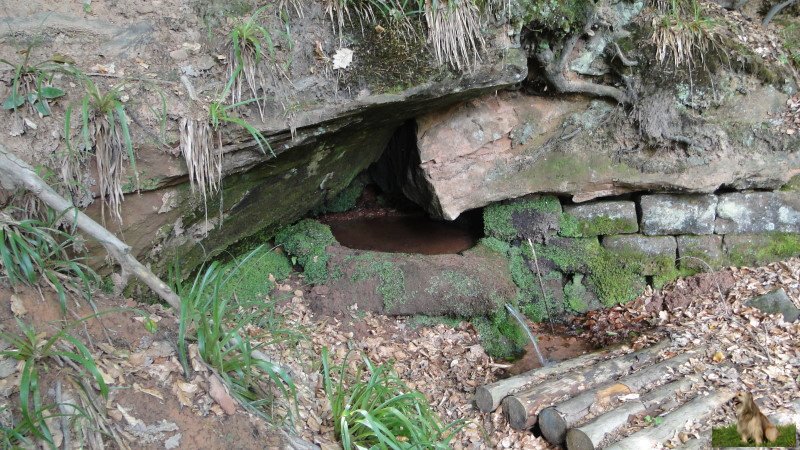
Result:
[
  {"x": 775, "y": 10},
  {"x": 19, "y": 174}
]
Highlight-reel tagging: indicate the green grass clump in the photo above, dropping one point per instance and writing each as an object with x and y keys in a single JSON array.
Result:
[
  {"x": 791, "y": 41},
  {"x": 500, "y": 336},
  {"x": 729, "y": 437},
  {"x": 431, "y": 321},
  {"x": 374, "y": 409},
  {"x": 250, "y": 280},
  {"x": 209, "y": 319},
  {"x": 497, "y": 218},
  {"x": 306, "y": 241},
  {"x": 32, "y": 349},
  {"x": 33, "y": 250}
]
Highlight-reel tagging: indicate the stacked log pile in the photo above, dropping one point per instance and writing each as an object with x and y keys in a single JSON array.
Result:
[{"x": 589, "y": 402}]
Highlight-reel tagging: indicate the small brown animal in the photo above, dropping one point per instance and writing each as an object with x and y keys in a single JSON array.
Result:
[{"x": 752, "y": 423}]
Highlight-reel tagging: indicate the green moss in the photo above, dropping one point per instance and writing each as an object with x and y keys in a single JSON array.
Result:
[
  {"x": 558, "y": 17},
  {"x": 765, "y": 248},
  {"x": 599, "y": 226},
  {"x": 612, "y": 281},
  {"x": 306, "y": 240},
  {"x": 431, "y": 321},
  {"x": 500, "y": 336},
  {"x": 495, "y": 244},
  {"x": 729, "y": 437},
  {"x": 251, "y": 281},
  {"x": 793, "y": 185},
  {"x": 344, "y": 200},
  {"x": 449, "y": 285},
  {"x": 392, "y": 279},
  {"x": 497, "y": 218},
  {"x": 575, "y": 295}
]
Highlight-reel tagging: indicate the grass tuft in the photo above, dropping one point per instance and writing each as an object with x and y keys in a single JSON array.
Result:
[
  {"x": 373, "y": 408},
  {"x": 728, "y": 437},
  {"x": 33, "y": 250},
  {"x": 207, "y": 318}
]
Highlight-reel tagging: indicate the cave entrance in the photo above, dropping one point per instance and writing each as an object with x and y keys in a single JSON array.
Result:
[
  {"x": 392, "y": 224},
  {"x": 384, "y": 219}
]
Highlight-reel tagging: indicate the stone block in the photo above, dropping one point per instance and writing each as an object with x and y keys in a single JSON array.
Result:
[
  {"x": 758, "y": 212},
  {"x": 604, "y": 218},
  {"x": 651, "y": 255},
  {"x": 666, "y": 214},
  {"x": 759, "y": 249},
  {"x": 776, "y": 302},
  {"x": 705, "y": 247}
]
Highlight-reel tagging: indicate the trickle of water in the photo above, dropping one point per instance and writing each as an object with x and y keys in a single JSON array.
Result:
[{"x": 524, "y": 326}]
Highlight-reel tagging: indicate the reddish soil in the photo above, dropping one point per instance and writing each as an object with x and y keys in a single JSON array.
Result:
[{"x": 126, "y": 336}]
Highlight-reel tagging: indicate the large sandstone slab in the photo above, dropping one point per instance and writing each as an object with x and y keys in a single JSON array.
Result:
[
  {"x": 758, "y": 212},
  {"x": 678, "y": 214},
  {"x": 509, "y": 145}
]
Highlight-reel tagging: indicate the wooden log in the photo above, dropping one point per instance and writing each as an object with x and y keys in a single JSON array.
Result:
[
  {"x": 488, "y": 397},
  {"x": 16, "y": 173},
  {"x": 591, "y": 434},
  {"x": 695, "y": 410},
  {"x": 522, "y": 408},
  {"x": 696, "y": 444},
  {"x": 555, "y": 420}
]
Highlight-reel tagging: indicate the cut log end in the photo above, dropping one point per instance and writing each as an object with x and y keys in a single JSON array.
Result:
[
  {"x": 517, "y": 414},
  {"x": 578, "y": 440},
  {"x": 553, "y": 425},
  {"x": 484, "y": 400}
]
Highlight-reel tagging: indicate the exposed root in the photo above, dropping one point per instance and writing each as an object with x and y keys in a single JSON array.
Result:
[
  {"x": 109, "y": 153},
  {"x": 204, "y": 162}
]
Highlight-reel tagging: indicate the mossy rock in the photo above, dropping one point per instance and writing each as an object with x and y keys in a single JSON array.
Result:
[
  {"x": 525, "y": 218},
  {"x": 760, "y": 249},
  {"x": 250, "y": 277},
  {"x": 307, "y": 241},
  {"x": 501, "y": 336}
]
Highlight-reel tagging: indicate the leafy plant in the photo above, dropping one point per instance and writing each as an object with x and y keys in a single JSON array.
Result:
[
  {"x": 207, "y": 320},
  {"x": 31, "y": 83},
  {"x": 375, "y": 409},
  {"x": 32, "y": 250},
  {"x": 104, "y": 128},
  {"x": 654, "y": 421},
  {"x": 32, "y": 348},
  {"x": 250, "y": 42}
]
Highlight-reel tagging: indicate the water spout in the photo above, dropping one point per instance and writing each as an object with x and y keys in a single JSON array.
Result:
[{"x": 524, "y": 326}]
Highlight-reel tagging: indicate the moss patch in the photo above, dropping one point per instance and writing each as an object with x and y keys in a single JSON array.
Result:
[
  {"x": 344, "y": 200},
  {"x": 392, "y": 280},
  {"x": 250, "y": 281},
  {"x": 498, "y": 218},
  {"x": 794, "y": 184},
  {"x": 306, "y": 241},
  {"x": 729, "y": 437},
  {"x": 500, "y": 336},
  {"x": 660, "y": 280},
  {"x": 764, "y": 249},
  {"x": 571, "y": 226},
  {"x": 431, "y": 321},
  {"x": 576, "y": 294},
  {"x": 558, "y": 17}
]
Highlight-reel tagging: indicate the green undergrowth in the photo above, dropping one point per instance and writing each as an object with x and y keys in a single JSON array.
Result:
[
  {"x": 729, "y": 437},
  {"x": 500, "y": 336},
  {"x": 306, "y": 242},
  {"x": 250, "y": 280},
  {"x": 373, "y": 408}
]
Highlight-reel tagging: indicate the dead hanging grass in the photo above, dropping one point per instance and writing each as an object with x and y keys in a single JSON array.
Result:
[
  {"x": 454, "y": 32},
  {"x": 249, "y": 44},
  {"x": 104, "y": 129},
  {"x": 682, "y": 33},
  {"x": 203, "y": 158}
]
